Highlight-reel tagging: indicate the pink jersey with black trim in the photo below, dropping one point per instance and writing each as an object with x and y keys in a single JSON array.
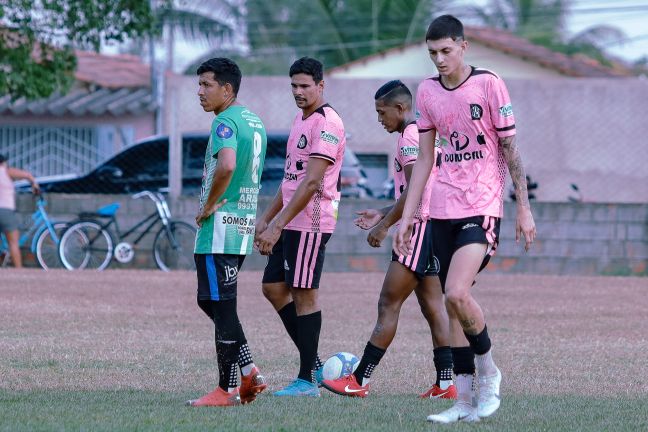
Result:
[
  {"x": 320, "y": 135},
  {"x": 469, "y": 121},
  {"x": 407, "y": 151}
]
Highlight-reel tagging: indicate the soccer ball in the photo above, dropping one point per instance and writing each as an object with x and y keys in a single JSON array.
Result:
[{"x": 339, "y": 365}]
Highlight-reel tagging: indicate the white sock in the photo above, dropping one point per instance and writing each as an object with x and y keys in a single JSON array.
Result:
[
  {"x": 246, "y": 370},
  {"x": 444, "y": 384},
  {"x": 464, "y": 383},
  {"x": 485, "y": 364}
]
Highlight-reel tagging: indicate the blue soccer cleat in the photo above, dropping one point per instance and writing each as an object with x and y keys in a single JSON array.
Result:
[{"x": 299, "y": 387}]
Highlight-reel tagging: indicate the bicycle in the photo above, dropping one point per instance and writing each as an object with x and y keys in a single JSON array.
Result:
[
  {"x": 89, "y": 242},
  {"x": 45, "y": 235}
]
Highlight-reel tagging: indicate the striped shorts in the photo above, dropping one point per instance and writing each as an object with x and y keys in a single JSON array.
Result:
[
  {"x": 422, "y": 260},
  {"x": 297, "y": 259}
]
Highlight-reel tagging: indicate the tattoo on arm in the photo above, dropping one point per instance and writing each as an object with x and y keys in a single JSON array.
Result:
[{"x": 516, "y": 169}]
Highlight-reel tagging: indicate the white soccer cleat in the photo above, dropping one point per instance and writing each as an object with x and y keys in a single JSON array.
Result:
[
  {"x": 460, "y": 412},
  {"x": 489, "y": 394}
]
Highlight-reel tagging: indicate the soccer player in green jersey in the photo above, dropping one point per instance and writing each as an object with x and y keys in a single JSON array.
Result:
[{"x": 228, "y": 203}]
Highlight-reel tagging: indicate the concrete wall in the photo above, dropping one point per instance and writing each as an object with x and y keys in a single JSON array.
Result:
[
  {"x": 583, "y": 239},
  {"x": 591, "y": 132}
]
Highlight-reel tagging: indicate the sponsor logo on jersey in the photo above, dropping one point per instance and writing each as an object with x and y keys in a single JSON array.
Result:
[
  {"x": 409, "y": 151},
  {"x": 476, "y": 111},
  {"x": 301, "y": 144},
  {"x": 290, "y": 176},
  {"x": 299, "y": 165},
  {"x": 224, "y": 131},
  {"x": 506, "y": 110},
  {"x": 329, "y": 138},
  {"x": 481, "y": 139},
  {"x": 397, "y": 166}
]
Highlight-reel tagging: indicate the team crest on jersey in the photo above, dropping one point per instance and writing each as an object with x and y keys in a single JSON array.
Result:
[
  {"x": 301, "y": 144},
  {"x": 397, "y": 166},
  {"x": 329, "y": 138},
  {"x": 224, "y": 131},
  {"x": 506, "y": 110},
  {"x": 476, "y": 111}
]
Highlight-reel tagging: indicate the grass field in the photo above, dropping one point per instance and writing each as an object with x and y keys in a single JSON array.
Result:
[{"x": 123, "y": 350}]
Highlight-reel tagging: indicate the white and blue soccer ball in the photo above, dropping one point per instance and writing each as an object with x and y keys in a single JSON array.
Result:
[{"x": 339, "y": 365}]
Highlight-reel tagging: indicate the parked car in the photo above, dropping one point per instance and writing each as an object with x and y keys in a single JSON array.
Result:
[{"x": 145, "y": 165}]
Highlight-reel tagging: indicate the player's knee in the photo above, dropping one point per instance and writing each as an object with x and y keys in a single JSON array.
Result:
[
  {"x": 457, "y": 300},
  {"x": 388, "y": 305}
]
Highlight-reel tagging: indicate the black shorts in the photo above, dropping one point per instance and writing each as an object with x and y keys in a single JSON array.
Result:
[
  {"x": 422, "y": 260},
  {"x": 217, "y": 275},
  {"x": 451, "y": 234},
  {"x": 297, "y": 259}
]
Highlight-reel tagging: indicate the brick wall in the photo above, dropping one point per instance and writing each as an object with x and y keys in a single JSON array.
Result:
[{"x": 583, "y": 239}]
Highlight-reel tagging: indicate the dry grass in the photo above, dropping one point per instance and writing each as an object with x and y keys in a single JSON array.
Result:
[{"x": 64, "y": 332}]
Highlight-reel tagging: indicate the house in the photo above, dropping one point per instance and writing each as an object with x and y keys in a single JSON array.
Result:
[
  {"x": 108, "y": 107},
  {"x": 501, "y": 51}
]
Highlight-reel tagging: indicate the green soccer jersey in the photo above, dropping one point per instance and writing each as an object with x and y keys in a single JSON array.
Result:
[{"x": 231, "y": 229}]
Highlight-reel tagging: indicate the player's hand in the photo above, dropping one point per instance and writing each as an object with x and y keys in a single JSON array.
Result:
[
  {"x": 259, "y": 228},
  {"x": 368, "y": 218},
  {"x": 377, "y": 235},
  {"x": 35, "y": 188},
  {"x": 403, "y": 238},
  {"x": 208, "y": 211},
  {"x": 267, "y": 239},
  {"x": 525, "y": 227}
]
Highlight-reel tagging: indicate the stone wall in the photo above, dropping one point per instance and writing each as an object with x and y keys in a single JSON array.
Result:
[{"x": 582, "y": 239}]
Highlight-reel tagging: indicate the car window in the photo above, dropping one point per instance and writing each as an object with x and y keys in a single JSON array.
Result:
[
  {"x": 146, "y": 159},
  {"x": 194, "y": 157}
]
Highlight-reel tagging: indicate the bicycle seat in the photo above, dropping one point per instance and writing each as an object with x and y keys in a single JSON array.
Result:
[{"x": 106, "y": 211}]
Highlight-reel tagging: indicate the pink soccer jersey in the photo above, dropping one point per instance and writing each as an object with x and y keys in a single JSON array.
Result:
[
  {"x": 407, "y": 151},
  {"x": 320, "y": 135},
  {"x": 469, "y": 121}
]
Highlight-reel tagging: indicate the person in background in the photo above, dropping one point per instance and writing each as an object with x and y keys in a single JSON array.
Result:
[{"x": 8, "y": 219}]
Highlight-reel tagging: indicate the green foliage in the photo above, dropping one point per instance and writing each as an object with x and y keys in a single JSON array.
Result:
[
  {"x": 333, "y": 31},
  {"x": 543, "y": 22},
  {"x": 38, "y": 39}
]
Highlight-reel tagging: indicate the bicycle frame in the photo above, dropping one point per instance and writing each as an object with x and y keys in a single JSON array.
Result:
[{"x": 40, "y": 222}]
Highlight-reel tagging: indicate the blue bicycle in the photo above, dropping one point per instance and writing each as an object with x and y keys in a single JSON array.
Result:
[{"x": 45, "y": 236}]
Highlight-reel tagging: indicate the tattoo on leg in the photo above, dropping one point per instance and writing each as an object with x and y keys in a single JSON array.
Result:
[
  {"x": 378, "y": 330},
  {"x": 467, "y": 324}
]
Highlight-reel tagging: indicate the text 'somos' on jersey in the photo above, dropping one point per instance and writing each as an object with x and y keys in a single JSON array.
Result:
[
  {"x": 469, "y": 121},
  {"x": 320, "y": 135}
]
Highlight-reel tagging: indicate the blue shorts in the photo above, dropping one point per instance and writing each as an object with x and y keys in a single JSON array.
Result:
[
  {"x": 8, "y": 220},
  {"x": 217, "y": 275}
]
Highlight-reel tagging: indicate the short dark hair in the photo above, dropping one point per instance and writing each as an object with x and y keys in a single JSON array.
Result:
[
  {"x": 308, "y": 66},
  {"x": 225, "y": 71},
  {"x": 445, "y": 26},
  {"x": 394, "y": 92}
]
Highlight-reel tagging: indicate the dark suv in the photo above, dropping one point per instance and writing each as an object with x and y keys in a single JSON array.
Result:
[{"x": 145, "y": 165}]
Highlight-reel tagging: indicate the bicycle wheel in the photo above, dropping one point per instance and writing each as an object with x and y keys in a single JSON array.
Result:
[
  {"x": 47, "y": 249},
  {"x": 84, "y": 245},
  {"x": 173, "y": 249}
]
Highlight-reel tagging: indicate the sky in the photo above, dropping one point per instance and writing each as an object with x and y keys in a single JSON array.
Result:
[{"x": 631, "y": 16}]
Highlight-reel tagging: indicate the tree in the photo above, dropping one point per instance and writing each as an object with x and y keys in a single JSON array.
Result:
[
  {"x": 543, "y": 22},
  {"x": 333, "y": 31},
  {"x": 38, "y": 38}
]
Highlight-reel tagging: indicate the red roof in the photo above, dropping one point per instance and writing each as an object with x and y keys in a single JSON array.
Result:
[
  {"x": 501, "y": 40},
  {"x": 112, "y": 71}
]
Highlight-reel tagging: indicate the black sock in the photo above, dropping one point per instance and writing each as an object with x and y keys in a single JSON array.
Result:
[
  {"x": 480, "y": 343},
  {"x": 308, "y": 330},
  {"x": 244, "y": 355},
  {"x": 463, "y": 359},
  {"x": 288, "y": 315},
  {"x": 226, "y": 324},
  {"x": 443, "y": 364},
  {"x": 370, "y": 359}
]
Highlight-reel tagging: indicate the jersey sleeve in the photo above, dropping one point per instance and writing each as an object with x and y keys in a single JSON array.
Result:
[
  {"x": 223, "y": 135},
  {"x": 425, "y": 123},
  {"x": 501, "y": 110},
  {"x": 408, "y": 147},
  {"x": 327, "y": 138}
]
